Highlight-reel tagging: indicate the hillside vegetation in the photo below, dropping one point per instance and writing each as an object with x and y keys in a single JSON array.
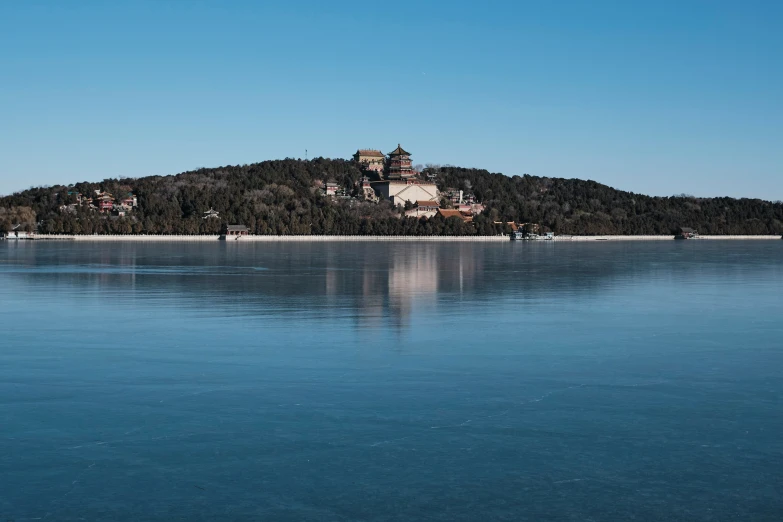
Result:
[{"x": 284, "y": 197}]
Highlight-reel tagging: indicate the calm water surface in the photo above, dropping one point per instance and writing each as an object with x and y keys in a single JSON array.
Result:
[{"x": 390, "y": 382}]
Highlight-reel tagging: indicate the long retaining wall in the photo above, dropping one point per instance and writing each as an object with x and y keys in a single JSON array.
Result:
[
  {"x": 472, "y": 239},
  {"x": 614, "y": 238},
  {"x": 245, "y": 239},
  {"x": 656, "y": 238}
]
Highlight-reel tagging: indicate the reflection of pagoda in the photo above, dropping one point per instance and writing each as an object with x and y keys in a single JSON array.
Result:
[{"x": 398, "y": 165}]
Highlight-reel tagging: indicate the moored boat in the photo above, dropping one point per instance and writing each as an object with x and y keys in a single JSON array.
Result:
[{"x": 522, "y": 236}]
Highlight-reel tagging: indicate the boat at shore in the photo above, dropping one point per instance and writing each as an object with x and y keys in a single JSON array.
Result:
[
  {"x": 17, "y": 235},
  {"x": 687, "y": 233},
  {"x": 523, "y": 236}
]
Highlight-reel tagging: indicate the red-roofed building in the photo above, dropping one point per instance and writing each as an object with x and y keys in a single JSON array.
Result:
[
  {"x": 423, "y": 208},
  {"x": 105, "y": 203},
  {"x": 447, "y": 213},
  {"x": 370, "y": 159},
  {"x": 427, "y": 205}
]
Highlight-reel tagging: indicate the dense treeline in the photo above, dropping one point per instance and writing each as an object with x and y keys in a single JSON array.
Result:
[
  {"x": 283, "y": 197},
  {"x": 573, "y": 206}
]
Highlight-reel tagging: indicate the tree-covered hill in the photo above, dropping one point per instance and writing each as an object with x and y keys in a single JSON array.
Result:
[
  {"x": 284, "y": 197},
  {"x": 574, "y": 206}
]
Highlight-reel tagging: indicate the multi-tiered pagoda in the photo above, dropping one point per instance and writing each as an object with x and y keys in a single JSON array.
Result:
[{"x": 398, "y": 166}]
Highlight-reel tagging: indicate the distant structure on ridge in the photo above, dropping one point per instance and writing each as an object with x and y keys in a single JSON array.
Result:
[
  {"x": 392, "y": 177},
  {"x": 370, "y": 160},
  {"x": 399, "y": 164}
]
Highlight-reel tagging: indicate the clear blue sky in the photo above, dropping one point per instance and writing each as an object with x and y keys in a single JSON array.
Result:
[{"x": 655, "y": 97}]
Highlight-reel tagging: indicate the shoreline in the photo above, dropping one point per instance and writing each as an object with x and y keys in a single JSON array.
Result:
[{"x": 470, "y": 239}]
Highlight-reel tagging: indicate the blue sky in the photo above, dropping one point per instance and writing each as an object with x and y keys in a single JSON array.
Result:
[{"x": 653, "y": 97}]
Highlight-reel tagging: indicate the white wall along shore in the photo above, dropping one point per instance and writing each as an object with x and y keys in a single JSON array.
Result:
[{"x": 475, "y": 239}]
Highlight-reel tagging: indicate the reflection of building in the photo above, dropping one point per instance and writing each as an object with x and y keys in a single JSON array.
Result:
[
  {"x": 398, "y": 192},
  {"x": 370, "y": 159},
  {"x": 413, "y": 275},
  {"x": 372, "y": 307},
  {"x": 414, "y": 270},
  {"x": 392, "y": 284}
]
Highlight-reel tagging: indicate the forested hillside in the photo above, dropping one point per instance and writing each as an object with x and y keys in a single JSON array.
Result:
[
  {"x": 284, "y": 197},
  {"x": 574, "y": 206}
]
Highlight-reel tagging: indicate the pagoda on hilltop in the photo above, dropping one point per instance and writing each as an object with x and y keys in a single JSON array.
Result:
[{"x": 398, "y": 166}]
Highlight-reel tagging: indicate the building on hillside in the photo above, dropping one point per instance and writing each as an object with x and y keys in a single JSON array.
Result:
[
  {"x": 330, "y": 188},
  {"x": 447, "y": 213},
  {"x": 129, "y": 201},
  {"x": 530, "y": 228},
  {"x": 476, "y": 208},
  {"x": 69, "y": 209},
  {"x": 398, "y": 166},
  {"x": 233, "y": 232},
  {"x": 366, "y": 192},
  {"x": 211, "y": 214},
  {"x": 511, "y": 224},
  {"x": 370, "y": 159},
  {"x": 105, "y": 202},
  {"x": 428, "y": 205},
  {"x": 459, "y": 197},
  {"x": 453, "y": 196},
  {"x": 423, "y": 209},
  {"x": 401, "y": 191}
]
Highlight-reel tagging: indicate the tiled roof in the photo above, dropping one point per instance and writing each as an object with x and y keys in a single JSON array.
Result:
[
  {"x": 427, "y": 204},
  {"x": 399, "y": 150},
  {"x": 409, "y": 182},
  {"x": 445, "y": 212},
  {"x": 370, "y": 152}
]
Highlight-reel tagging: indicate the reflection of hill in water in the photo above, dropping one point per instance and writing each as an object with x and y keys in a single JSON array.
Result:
[{"x": 374, "y": 283}]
